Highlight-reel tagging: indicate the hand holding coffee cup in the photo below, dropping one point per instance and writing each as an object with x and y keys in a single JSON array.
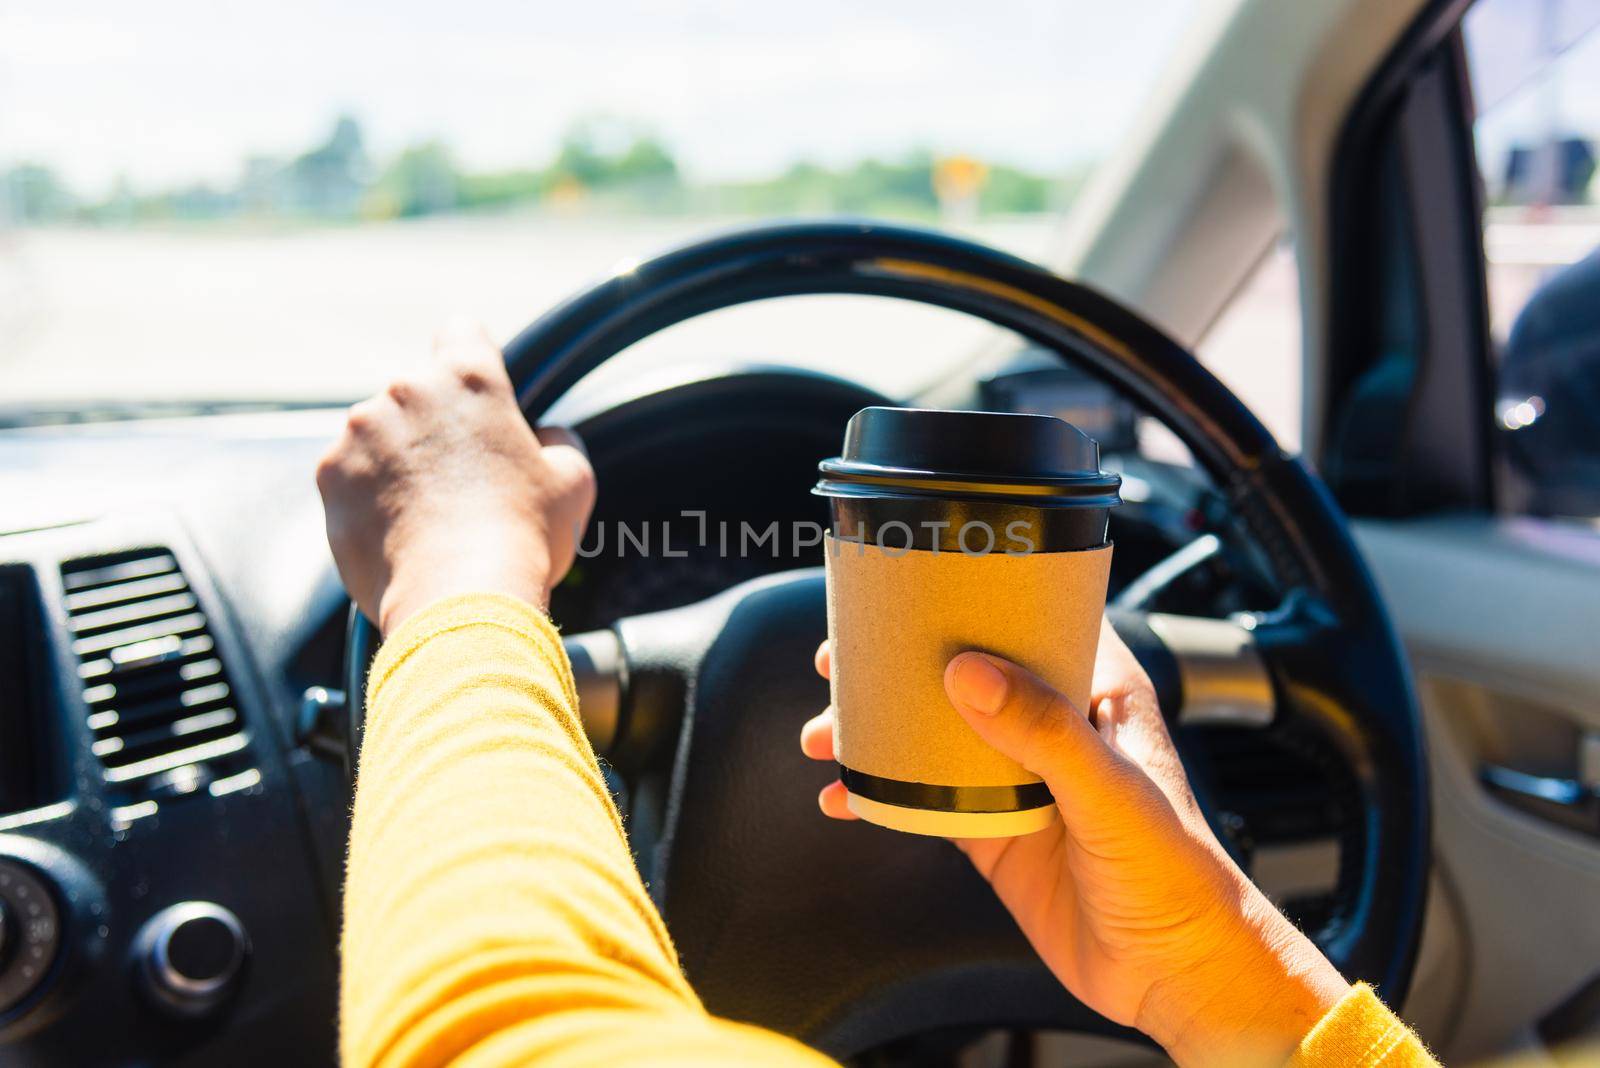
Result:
[
  {"x": 1131, "y": 842},
  {"x": 956, "y": 531}
]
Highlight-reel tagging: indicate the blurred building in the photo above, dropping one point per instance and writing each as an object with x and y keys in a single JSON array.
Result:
[
  {"x": 329, "y": 181},
  {"x": 1556, "y": 172},
  {"x": 331, "y": 178}
]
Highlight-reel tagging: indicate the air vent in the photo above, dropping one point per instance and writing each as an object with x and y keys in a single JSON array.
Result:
[{"x": 161, "y": 706}]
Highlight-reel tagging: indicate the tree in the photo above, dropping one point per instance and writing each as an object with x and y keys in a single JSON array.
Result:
[
  {"x": 602, "y": 154},
  {"x": 32, "y": 193},
  {"x": 1010, "y": 191},
  {"x": 646, "y": 160},
  {"x": 902, "y": 187},
  {"x": 422, "y": 180}
]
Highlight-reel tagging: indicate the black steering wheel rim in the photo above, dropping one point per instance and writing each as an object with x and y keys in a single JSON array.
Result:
[{"x": 1350, "y": 680}]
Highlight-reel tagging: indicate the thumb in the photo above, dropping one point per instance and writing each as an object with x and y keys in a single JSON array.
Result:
[
  {"x": 1032, "y": 723},
  {"x": 561, "y": 444},
  {"x": 563, "y": 451}
]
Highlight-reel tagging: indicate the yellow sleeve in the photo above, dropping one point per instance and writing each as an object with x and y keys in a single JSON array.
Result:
[
  {"x": 1360, "y": 1032},
  {"x": 492, "y": 913}
]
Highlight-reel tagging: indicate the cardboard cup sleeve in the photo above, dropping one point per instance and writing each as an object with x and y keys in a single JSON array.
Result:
[{"x": 896, "y": 617}]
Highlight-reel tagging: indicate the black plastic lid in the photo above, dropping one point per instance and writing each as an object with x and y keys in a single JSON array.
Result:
[{"x": 1038, "y": 460}]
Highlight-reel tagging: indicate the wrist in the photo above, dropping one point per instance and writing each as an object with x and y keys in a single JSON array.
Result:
[
  {"x": 466, "y": 569},
  {"x": 1253, "y": 991}
]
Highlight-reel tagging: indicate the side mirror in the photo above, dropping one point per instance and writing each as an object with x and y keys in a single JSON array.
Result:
[{"x": 1547, "y": 409}]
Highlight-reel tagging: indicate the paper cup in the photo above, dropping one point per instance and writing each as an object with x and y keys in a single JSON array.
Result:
[{"x": 956, "y": 531}]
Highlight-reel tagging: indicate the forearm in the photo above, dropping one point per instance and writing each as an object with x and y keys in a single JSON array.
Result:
[
  {"x": 1267, "y": 997},
  {"x": 1248, "y": 998},
  {"x": 493, "y": 915},
  {"x": 492, "y": 909}
]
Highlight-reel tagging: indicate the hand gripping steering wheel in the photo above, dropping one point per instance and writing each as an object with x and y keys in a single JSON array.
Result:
[{"x": 848, "y": 936}]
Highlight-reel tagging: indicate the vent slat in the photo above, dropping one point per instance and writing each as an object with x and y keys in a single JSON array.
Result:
[
  {"x": 138, "y": 687},
  {"x": 139, "y": 744},
  {"x": 156, "y": 765},
  {"x": 127, "y": 659},
  {"x": 133, "y": 612},
  {"x": 158, "y": 564},
  {"x": 131, "y": 716},
  {"x": 125, "y": 591},
  {"x": 99, "y": 643},
  {"x": 160, "y": 701}
]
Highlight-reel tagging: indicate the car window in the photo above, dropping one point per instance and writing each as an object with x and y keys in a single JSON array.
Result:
[
  {"x": 284, "y": 201},
  {"x": 1255, "y": 344},
  {"x": 1535, "y": 74}
]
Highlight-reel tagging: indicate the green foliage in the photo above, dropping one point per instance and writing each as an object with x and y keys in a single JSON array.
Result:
[
  {"x": 602, "y": 154},
  {"x": 871, "y": 187},
  {"x": 875, "y": 187},
  {"x": 804, "y": 188},
  {"x": 615, "y": 163},
  {"x": 32, "y": 193},
  {"x": 903, "y": 187},
  {"x": 499, "y": 188},
  {"x": 1011, "y": 191},
  {"x": 422, "y": 180}
]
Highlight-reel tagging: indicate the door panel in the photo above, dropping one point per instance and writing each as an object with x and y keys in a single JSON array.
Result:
[{"x": 1502, "y": 620}]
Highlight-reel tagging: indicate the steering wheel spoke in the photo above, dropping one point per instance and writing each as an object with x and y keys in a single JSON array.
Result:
[
  {"x": 1144, "y": 593},
  {"x": 1208, "y": 672}
]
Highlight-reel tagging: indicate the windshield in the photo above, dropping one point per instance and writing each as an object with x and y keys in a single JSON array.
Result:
[{"x": 280, "y": 202}]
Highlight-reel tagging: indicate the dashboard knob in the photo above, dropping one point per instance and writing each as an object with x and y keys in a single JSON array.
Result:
[
  {"x": 190, "y": 956},
  {"x": 30, "y": 932}
]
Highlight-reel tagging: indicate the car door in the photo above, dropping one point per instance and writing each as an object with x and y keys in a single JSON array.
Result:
[
  {"x": 1351, "y": 131},
  {"x": 1464, "y": 338}
]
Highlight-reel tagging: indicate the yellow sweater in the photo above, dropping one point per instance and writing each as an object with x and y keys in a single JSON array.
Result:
[{"x": 493, "y": 915}]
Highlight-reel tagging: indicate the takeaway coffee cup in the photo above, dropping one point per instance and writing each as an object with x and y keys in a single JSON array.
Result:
[{"x": 954, "y": 531}]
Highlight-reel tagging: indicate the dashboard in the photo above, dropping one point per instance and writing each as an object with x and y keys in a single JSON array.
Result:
[{"x": 171, "y": 834}]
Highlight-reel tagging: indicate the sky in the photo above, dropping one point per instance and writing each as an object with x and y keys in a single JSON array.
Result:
[{"x": 167, "y": 92}]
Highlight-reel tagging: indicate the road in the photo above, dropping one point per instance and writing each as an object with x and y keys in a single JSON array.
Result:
[{"x": 331, "y": 312}]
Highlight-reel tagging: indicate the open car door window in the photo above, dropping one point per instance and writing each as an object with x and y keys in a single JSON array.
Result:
[{"x": 1464, "y": 432}]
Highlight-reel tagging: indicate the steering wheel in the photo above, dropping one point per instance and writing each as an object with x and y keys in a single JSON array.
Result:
[{"x": 848, "y": 936}]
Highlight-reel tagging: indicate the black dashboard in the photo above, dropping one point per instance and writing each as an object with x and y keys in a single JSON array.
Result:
[{"x": 171, "y": 846}]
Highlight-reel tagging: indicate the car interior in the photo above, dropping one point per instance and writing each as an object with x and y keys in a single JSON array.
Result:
[{"x": 1363, "y": 573}]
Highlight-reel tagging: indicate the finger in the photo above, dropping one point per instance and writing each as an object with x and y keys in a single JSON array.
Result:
[
  {"x": 983, "y": 852},
  {"x": 462, "y": 333},
  {"x": 560, "y": 437},
  {"x": 1116, "y": 670},
  {"x": 1127, "y": 714},
  {"x": 465, "y": 347},
  {"x": 1125, "y": 708},
  {"x": 1025, "y": 855},
  {"x": 1026, "y": 719},
  {"x": 824, "y": 660},
  {"x": 369, "y": 420},
  {"x": 816, "y": 737},
  {"x": 1134, "y": 728},
  {"x": 563, "y": 451},
  {"x": 832, "y": 802}
]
